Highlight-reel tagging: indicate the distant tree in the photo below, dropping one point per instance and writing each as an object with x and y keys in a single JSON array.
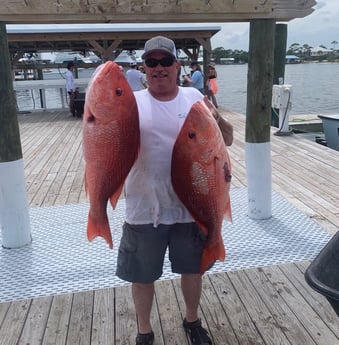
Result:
[
  {"x": 294, "y": 49},
  {"x": 238, "y": 55},
  {"x": 218, "y": 53},
  {"x": 306, "y": 50},
  {"x": 302, "y": 51}
]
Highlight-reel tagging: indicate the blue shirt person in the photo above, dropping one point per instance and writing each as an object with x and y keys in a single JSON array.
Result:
[{"x": 197, "y": 77}]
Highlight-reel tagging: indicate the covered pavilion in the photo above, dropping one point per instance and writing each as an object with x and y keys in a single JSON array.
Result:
[{"x": 107, "y": 40}]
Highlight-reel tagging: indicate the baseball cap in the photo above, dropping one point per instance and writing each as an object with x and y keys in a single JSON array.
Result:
[
  {"x": 133, "y": 63},
  {"x": 159, "y": 43},
  {"x": 194, "y": 63}
]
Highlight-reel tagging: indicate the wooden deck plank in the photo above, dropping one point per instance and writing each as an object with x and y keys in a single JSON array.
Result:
[
  {"x": 314, "y": 325},
  {"x": 58, "y": 320},
  {"x": 215, "y": 314},
  {"x": 126, "y": 321},
  {"x": 170, "y": 314},
  {"x": 244, "y": 329},
  {"x": 13, "y": 323},
  {"x": 75, "y": 193},
  {"x": 299, "y": 169},
  {"x": 103, "y": 324},
  {"x": 260, "y": 315},
  {"x": 36, "y": 321},
  {"x": 319, "y": 303},
  {"x": 279, "y": 309},
  {"x": 80, "y": 324},
  {"x": 40, "y": 182},
  {"x": 63, "y": 179}
]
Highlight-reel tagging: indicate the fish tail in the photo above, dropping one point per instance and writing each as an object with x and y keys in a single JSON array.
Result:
[
  {"x": 102, "y": 229},
  {"x": 211, "y": 254}
]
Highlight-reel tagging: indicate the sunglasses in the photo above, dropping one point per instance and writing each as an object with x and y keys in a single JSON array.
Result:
[{"x": 164, "y": 62}]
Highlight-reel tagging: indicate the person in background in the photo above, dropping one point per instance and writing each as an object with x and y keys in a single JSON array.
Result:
[
  {"x": 211, "y": 83},
  {"x": 155, "y": 218},
  {"x": 70, "y": 85},
  {"x": 144, "y": 80},
  {"x": 197, "y": 78},
  {"x": 135, "y": 78}
]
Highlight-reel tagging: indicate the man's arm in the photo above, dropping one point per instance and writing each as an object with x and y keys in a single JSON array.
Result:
[{"x": 225, "y": 127}]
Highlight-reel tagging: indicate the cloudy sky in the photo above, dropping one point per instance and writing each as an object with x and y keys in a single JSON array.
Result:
[{"x": 319, "y": 28}]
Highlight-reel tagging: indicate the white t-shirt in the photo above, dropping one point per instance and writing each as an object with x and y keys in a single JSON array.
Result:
[
  {"x": 69, "y": 81},
  {"x": 150, "y": 198},
  {"x": 135, "y": 79}
]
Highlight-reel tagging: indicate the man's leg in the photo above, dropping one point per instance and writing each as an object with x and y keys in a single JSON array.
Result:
[
  {"x": 71, "y": 103},
  {"x": 143, "y": 299},
  {"x": 191, "y": 289}
]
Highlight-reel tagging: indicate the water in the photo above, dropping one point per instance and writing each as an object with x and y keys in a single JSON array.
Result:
[{"x": 314, "y": 88}]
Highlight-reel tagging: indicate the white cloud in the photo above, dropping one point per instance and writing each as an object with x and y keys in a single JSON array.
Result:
[
  {"x": 319, "y": 28},
  {"x": 232, "y": 36}
]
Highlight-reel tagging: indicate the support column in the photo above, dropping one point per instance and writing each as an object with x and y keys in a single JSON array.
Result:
[
  {"x": 258, "y": 118},
  {"x": 279, "y": 63},
  {"x": 14, "y": 216}
]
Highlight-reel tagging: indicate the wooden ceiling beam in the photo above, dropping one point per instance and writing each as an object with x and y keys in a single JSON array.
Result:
[
  {"x": 151, "y": 11},
  {"x": 57, "y": 36},
  {"x": 206, "y": 43}
]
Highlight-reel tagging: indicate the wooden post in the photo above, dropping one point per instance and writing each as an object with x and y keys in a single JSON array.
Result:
[
  {"x": 206, "y": 60},
  {"x": 41, "y": 77},
  {"x": 14, "y": 217},
  {"x": 279, "y": 63},
  {"x": 258, "y": 118}
]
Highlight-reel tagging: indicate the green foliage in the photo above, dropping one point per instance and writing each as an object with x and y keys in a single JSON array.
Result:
[
  {"x": 239, "y": 56},
  {"x": 308, "y": 53},
  {"x": 304, "y": 52}
]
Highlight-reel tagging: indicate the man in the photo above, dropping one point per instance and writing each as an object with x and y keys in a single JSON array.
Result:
[
  {"x": 155, "y": 218},
  {"x": 135, "y": 78},
  {"x": 197, "y": 78},
  {"x": 70, "y": 86}
]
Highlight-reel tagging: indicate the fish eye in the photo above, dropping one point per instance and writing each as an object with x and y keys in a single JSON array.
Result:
[
  {"x": 191, "y": 135},
  {"x": 118, "y": 91}
]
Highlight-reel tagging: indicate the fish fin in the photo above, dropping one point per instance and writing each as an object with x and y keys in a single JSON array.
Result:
[
  {"x": 211, "y": 253},
  {"x": 115, "y": 197},
  {"x": 86, "y": 188},
  {"x": 103, "y": 230},
  {"x": 228, "y": 211}
]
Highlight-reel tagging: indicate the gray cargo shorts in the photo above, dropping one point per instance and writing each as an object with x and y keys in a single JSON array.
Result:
[{"x": 143, "y": 247}]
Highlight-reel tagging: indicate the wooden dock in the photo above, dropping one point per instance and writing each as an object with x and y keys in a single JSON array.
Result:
[{"x": 261, "y": 306}]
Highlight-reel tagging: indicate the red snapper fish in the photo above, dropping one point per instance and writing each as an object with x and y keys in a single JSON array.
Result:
[
  {"x": 111, "y": 140},
  {"x": 201, "y": 177}
]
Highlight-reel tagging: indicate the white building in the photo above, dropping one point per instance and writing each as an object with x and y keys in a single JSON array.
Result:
[{"x": 319, "y": 51}]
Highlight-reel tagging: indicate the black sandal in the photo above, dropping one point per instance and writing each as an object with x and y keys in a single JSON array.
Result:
[
  {"x": 144, "y": 339},
  {"x": 197, "y": 334}
]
